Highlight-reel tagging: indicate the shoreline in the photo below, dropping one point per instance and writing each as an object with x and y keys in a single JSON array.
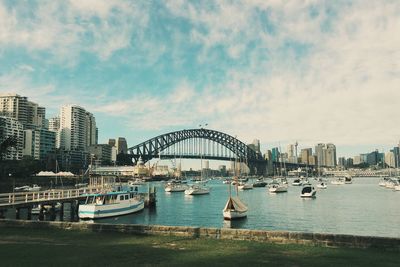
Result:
[{"x": 276, "y": 237}]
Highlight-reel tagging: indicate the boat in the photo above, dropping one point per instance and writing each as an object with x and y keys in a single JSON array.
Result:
[
  {"x": 276, "y": 187},
  {"x": 197, "y": 189},
  {"x": 175, "y": 187},
  {"x": 244, "y": 186},
  {"x": 110, "y": 204},
  {"x": 308, "y": 191},
  {"x": 35, "y": 187},
  {"x": 22, "y": 188},
  {"x": 322, "y": 185},
  {"x": 348, "y": 179},
  {"x": 260, "y": 183},
  {"x": 338, "y": 181},
  {"x": 136, "y": 181},
  {"x": 234, "y": 209},
  {"x": 297, "y": 182}
]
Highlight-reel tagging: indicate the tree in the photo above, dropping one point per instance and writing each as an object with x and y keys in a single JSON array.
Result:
[{"x": 6, "y": 144}]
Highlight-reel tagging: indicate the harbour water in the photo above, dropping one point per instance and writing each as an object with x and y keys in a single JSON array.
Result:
[{"x": 361, "y": 208}]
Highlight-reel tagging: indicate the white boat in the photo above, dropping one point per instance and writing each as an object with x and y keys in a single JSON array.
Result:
[
  {"x": 276, "y": 187},
  {"x": 244, "y": 186},
  {"x": 22, "y": 188},
  {"x": 175, "y": 187},
  {"x": 136, "y": 182},
  {"x": 397, "y": 187},
  {"x": 297, "y": 182},
  {"x": 308, "y": 191},
  {"x": 197, "y": 189},
  {"x": 338, "y": 181},
  {"x": 234, "y": 209},
  {"x": 35, "y": 187},
  {"x": 110, "y": 204},
  {"x": 348, "y": 179},
  {"x": 322, "y": 185}
]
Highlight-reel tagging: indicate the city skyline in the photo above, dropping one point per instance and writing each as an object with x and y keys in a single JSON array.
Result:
[{"x": 302, "y": 71}]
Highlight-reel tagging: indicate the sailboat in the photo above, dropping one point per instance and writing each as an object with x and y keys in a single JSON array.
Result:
[
  {"x": 198, "y": 188},
  {"x": 234, "y": 208}
]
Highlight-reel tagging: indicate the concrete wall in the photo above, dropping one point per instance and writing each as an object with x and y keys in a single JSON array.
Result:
[{"x": 281, "y": 237}]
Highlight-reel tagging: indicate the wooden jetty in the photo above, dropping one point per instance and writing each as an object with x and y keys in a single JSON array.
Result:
[{"x": 49, "y": 198}]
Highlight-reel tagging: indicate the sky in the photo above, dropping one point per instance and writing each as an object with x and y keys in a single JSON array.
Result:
[{"x": 278, "y": 71}]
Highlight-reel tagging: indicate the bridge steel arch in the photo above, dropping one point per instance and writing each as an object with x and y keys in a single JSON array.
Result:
[{"x": 152, "y": 148}]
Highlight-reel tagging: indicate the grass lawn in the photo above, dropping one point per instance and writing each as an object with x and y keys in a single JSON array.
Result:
[{"x": 45, "y": 247}]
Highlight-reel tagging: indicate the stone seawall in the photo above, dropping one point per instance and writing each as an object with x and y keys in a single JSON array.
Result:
[{"x": 281, "y": 237}]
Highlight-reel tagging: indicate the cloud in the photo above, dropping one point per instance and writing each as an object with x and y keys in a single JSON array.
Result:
[{"x": 67, "y": 28}]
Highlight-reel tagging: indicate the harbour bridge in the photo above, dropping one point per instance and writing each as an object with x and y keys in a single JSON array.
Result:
[
  {"x": 202, "y": 144},
  {"x": 199, "y": 144}
]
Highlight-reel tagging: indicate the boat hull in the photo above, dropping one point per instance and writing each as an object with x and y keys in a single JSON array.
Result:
[
  {"x": 93, "y": 211},
  {"x": 234, "y": 215}
]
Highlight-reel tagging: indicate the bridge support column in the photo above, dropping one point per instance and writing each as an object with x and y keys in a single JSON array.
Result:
[
  {"x": 2, "y": 211},
  {"x": 41, "y": 212},
  {"x": 62, "y": 212},
  {"x": 17, "y": 213},
  {"x": 29, "y": 216}
]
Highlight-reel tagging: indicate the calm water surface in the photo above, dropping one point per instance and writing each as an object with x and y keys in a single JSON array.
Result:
[{"x": 361, "y": 208}]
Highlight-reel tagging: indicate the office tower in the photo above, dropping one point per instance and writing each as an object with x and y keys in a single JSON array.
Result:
[
  {"x": 291, "y": 153},
  {"x": 256, "y": 144},
  {"x": 111, "y": 142},
  {"x": 342, "y": 161},
  {"x": 305, "y": 153},
  {"x": 275, "y": 154},
  {"x": 10, "y": 127},
  {"x": 357, "y": 160},
  {"x": 122, "y": 146},
  {"x": 313, "y": 160},
  {"x": 390, "y": 159},
  {"x": 330, "y": 155},
  {"x": 320, "y": 153},
  {"x": 77, "y": 128},
  {"x": 102, "y": 153}
]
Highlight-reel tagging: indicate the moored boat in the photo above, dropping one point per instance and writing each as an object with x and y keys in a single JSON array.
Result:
[
  {"x": 197, "y": 189},
  {"x": 234, "y": 209},
  {"x": 276, "y": 187},
  {"x": 322, "y": 185},
  {"x": 244, "y": 186},
  {"x": 109, "y": 204},
  {"x": 308, "y": 191},
  {"x": 175, "y": 187},
  {"x": 297, "y": 182}
]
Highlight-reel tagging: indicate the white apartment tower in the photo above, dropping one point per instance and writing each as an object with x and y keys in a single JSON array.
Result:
[
  {"x": 77, "y": 128},
  {"x": 19, "y": 108}
]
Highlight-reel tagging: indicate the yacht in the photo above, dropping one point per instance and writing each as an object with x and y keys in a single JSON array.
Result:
[
  {"x": 308, "y": 191},
  {"x": 276, "y": 187},
  {"x": 33, "y": 188},
  {"x": 109, "y": 204},
  {"x": 244, "y": 186},
  {"x": 297, "y": 182},
  {"x": 175, "y": 187},
  {"x": 322, "y": 185},
  {"x": 338, "y": 181},
  {"x": 348, "y": 179},
  {"x": 197, "y": 189}
]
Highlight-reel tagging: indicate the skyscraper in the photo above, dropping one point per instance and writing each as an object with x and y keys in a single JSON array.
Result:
[
  {"x": 122, "y": 146},
  {"x": 18, "y": 107},
  {"x": 77, "y": 128},
  {"x": 330, "y": 157},
  {"x": 305, "y": 155},
  {"x": 320, "y": 153}
]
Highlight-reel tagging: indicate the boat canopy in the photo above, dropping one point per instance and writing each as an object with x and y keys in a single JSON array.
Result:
[
  {"x": 306, "y": 189},
  {"x": 236, "y": 204}
]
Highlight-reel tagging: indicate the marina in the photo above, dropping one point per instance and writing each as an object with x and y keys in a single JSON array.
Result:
[{"x": 361, "y": 208}]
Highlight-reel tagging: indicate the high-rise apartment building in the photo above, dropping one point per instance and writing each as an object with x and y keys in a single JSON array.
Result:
[
  {"x": 330, "y": 155},
  {"x": 122, "y": 146},
  {"x": 19, "y": 108},
  {"x": 12, "y": 127},
  {"x": 77, "y": 128}
]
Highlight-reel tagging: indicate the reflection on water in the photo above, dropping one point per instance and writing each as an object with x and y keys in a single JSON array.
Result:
[{"x": 234, "y": 224}]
